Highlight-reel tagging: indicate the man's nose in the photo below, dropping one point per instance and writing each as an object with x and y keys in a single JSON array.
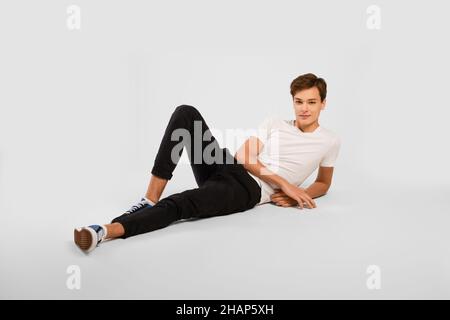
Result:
[{"x": 304, "y": 107}]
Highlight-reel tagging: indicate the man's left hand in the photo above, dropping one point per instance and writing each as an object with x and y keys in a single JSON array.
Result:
[{"x": 281, "y": 199}]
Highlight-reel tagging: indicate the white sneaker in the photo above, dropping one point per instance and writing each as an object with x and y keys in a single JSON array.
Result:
[
  {"x": 88, "y": 238},
  {"x": 144, "y": 203}
]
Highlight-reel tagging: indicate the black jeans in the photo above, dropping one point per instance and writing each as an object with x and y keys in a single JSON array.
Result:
[{"x": 224, "y": 186}]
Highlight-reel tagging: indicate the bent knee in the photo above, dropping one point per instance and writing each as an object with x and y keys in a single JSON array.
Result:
[{"x": 185, "y": 109}]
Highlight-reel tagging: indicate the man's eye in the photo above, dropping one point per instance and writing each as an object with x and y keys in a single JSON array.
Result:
[{"x": 312, "y": 102}]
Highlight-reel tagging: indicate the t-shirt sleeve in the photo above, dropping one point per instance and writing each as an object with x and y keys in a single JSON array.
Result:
[
  {"x": 330, "y": 157},
  {"x": 264, "y": 129}
]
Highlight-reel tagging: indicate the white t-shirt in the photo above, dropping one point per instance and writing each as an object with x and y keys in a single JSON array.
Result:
[{"x": 292, "y": 153}]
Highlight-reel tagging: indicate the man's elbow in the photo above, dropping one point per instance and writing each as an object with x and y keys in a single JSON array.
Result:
[{"x": 326, "y": 188}]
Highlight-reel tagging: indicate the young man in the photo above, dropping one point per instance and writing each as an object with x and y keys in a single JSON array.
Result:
[{"x": 268, "y": 167}]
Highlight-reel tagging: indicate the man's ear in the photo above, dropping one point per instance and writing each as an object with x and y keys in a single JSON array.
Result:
[{"x": 324, "y": 103}]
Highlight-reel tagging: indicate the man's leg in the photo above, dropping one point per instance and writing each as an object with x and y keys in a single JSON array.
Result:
[
  {"x": 188, "y": 118},
  {"x": 226, "y": 191},
  {"x": 155, "y": 188},
  {"x": 220, "y": 196},
  {"x": 223, "y": 193},
  {"x": 183, "y": 117},
  {"x": 115, "y": 230}
]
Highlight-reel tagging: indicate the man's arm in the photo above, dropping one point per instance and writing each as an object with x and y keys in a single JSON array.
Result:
[
  {"x": 247, "y": 155},
  {"x": 322, "y": 183}
]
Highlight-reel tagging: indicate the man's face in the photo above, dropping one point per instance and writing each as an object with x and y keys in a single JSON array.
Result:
[{"x": 307, "y": 107}]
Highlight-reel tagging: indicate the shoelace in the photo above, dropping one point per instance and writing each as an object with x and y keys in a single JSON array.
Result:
[{"x": 135, "y": 208}]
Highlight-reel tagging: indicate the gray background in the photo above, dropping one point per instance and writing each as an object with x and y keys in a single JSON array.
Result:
[{"x": 83, "y": 112}]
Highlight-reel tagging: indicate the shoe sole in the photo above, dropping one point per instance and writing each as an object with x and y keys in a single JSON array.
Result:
[{"x": 83, "y": 238}]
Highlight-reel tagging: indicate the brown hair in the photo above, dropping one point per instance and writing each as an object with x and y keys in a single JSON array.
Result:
[{"x": 307, "y": 81}]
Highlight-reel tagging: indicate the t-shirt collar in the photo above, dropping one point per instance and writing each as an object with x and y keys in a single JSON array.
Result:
[{"x": 317, "y": 130}]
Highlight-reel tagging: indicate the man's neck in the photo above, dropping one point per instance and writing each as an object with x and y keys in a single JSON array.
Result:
[{"x": 309, "y": 128}]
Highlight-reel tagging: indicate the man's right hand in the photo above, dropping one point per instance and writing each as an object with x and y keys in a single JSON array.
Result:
[{"x": 298, "y": 194}]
